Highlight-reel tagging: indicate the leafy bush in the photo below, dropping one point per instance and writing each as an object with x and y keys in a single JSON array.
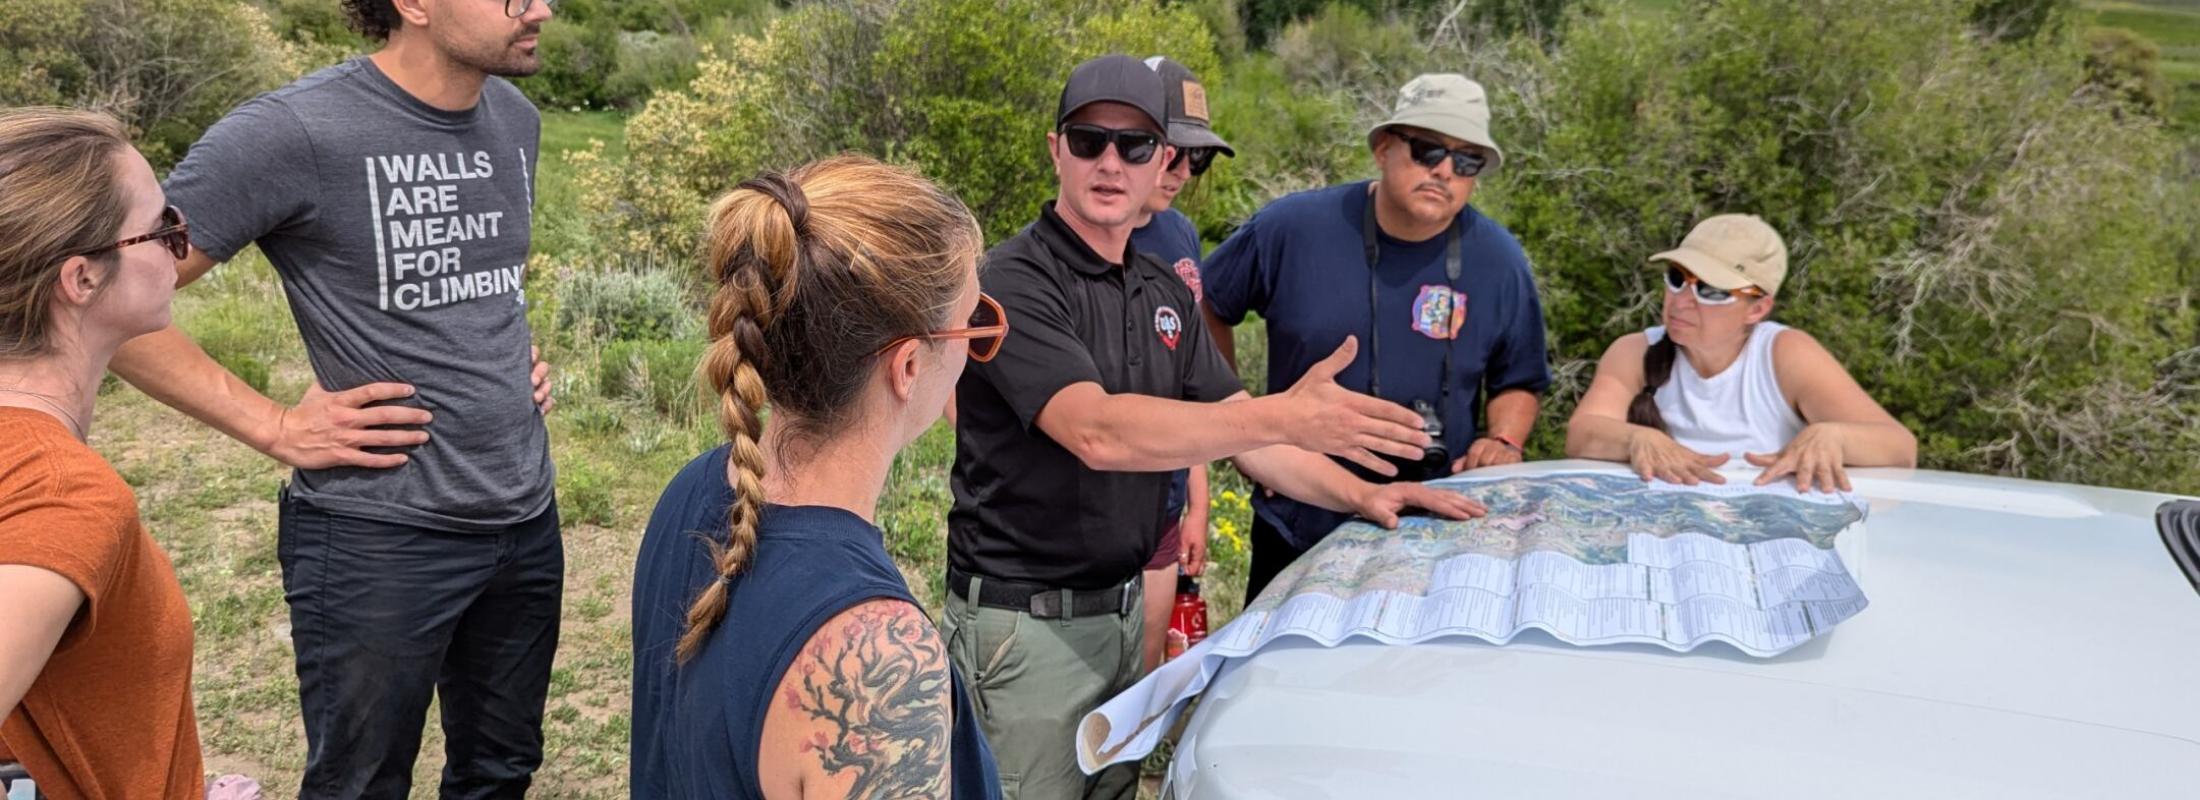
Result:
[
  {"x": 962, "y": 89},
  {"x": 604, "y": 54},
  {"x": 655, "y": 373},
  {"x": 585, "y": 495},
  {"x": 167, "y": 68},
  {"x": 644, "y": 304},
  {"x": 2128, "y": 66},
  {"x": 1993, "y": 250}
]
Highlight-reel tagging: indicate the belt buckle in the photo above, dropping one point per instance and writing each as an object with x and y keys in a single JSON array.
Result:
[{"x": 1046, "y": 605}]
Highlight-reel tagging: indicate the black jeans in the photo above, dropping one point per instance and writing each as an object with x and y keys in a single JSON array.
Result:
[
  {"x": 384, "y": 615},
  {"x": 1271, "y": 553}
]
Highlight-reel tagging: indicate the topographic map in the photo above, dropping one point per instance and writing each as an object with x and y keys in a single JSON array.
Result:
[
  {"x": 1589, "y": 558},
  {"x": 1587, "y": 517}
]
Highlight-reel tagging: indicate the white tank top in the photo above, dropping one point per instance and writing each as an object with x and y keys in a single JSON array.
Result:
[{"x": 1740, "y": 410}]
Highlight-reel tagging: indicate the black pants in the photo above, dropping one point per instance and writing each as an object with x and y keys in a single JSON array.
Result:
[
  {"x": 1271, "y": 553},
  {"x": 385, "y": 615}
]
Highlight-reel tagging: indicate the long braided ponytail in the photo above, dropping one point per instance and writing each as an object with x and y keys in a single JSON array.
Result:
[
  {"x": 815, "y": 270},
  {"x": 1657, "y": 368}
]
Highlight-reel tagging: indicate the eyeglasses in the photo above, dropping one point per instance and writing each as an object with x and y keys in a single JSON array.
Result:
[
  {"x": 988, "y": 328},
  {"x": 519, "y": 8},
  {"x": 1134, "y": 145},
  {"x": 174, "y": 234},
  {"x": 1465, "y": 162},
  {"x": 1677, "y": 279},
  {"x": 1201, "y": 158}
]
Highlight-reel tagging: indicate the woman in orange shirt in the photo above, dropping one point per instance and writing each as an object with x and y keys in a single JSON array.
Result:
[{"x": 95, "y": 639}]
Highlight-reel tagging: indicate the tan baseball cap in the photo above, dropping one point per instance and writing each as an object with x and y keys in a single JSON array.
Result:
[
  {"x": 1731, "y": 251},
  {"x": 1449, "y": 104}
]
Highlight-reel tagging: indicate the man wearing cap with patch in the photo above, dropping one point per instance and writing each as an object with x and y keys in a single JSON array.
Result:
[
  {"x": 1066, "y": 438},
  {"x": 1170, "y": 237},
  {"x": 1442, "y": 297},
  {"x": 1720, "y": 383}
]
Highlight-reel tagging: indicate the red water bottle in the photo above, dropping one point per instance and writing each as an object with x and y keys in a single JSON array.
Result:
[{"x": 1188, "y": 621}]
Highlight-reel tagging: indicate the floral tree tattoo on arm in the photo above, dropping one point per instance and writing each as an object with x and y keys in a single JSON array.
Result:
[{"x": 875, "y": 682}]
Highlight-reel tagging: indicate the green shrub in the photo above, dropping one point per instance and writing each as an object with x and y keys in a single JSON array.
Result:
[
  {"x": 167, "y": 68},
  {"x": 657, "y": 374},
  {"x": 1994, "y": 251},
  {"x": 585, "y": 495},
  {"x": 636, "y": 304},
  {"x": 2129, "y": 67},
  {"x": 962, "y": 89}
]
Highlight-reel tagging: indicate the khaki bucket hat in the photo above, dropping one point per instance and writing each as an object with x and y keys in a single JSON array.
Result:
[
  {"x": 1449, "y": 104},
  {"x": 1731, "y": 251}
]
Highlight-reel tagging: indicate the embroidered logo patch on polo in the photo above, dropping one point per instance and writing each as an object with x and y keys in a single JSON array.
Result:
[
  {"x": 1439, "y": 312},
  {"x": 1168, "y": 325}
]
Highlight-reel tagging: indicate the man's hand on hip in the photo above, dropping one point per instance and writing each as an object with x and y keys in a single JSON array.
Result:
[{"x": 332, "y": 429}]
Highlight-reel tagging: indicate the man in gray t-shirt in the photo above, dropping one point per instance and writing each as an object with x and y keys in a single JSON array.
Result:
[{"x": 419, "y": 540}]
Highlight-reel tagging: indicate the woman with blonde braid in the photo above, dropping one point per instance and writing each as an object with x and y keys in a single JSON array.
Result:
[{"x": 777, "y": 649}]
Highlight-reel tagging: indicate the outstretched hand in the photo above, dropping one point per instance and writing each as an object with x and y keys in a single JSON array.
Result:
[{"x": 1331, "y": 419}]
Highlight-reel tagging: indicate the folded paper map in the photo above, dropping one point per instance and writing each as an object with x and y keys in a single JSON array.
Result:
[{"x": 1590, "y": 558}]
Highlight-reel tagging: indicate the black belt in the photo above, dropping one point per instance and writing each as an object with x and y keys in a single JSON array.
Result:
[{"x": 1045, "y": 602}]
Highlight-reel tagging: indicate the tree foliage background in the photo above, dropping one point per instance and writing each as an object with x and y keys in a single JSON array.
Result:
[
  {"x": 1990, "y": 223},
  {"x": 1990, "y": 220}
]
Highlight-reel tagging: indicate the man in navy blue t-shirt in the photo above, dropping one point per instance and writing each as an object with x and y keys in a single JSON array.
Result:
[{"x": 1441, "y": 295}]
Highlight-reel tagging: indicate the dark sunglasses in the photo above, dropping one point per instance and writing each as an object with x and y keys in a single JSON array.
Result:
[
  {"x": 988, "y": 328},
  {"x": 519, "y": 8},
  {"x": 1136, "y": 146},
  {"x": 174, "y": 233},
  {"x": 1677, "y": 279},
  {"x": 1465, "y": 162},
  {"x": 1201, "y": 158}
]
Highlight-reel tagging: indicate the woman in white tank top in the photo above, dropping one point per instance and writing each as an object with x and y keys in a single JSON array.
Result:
[{"x": 1718, "y": 383}]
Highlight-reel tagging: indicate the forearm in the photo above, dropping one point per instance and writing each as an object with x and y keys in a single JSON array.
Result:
[
  {"x": 1196, "y": 498},
  {"x": 172, "y": 369},
  {"x": 1512, "y": 415},
  {"x": 1599, "y": 437},
  {"x": 1307, "y": 477},
  {"x": 1876, "y": 444},
  {"x": 1137, "y": 433}
]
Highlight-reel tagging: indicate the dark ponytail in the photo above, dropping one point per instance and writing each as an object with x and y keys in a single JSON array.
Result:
[{"x": 1657, "y": 368}]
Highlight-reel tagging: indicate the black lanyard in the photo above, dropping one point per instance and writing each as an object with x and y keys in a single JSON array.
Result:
[{"x": 1374, "y": 315}]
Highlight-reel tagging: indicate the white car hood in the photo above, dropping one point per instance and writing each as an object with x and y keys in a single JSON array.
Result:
[{"x": 2024, "y": 639}]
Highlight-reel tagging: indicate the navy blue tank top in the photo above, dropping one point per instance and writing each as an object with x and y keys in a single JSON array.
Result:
[{"x": 697, "y": 726}]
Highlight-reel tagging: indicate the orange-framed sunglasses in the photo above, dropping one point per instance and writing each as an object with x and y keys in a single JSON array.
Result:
[{"x": 988, "y": 328}]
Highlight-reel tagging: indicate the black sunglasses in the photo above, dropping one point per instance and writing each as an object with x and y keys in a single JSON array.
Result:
[
  {"x": 174, "y": 234},
  {"x": 1136, "y": 146},
  {"x": 1465, "y": 162},
  {"x": 1201, "y": 158}
]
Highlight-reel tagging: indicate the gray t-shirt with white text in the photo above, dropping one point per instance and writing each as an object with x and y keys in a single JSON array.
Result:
[{"x": 400, "y": 231}]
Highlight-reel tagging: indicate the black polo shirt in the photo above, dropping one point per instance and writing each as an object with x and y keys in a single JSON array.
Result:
[{"x": 1027, "y": 509}]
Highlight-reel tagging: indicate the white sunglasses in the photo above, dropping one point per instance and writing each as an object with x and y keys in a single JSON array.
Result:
[{"x": 1677, "y": 279}]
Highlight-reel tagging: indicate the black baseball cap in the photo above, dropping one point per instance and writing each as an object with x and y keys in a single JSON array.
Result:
[
  {"x": 1114, "y": 78},
  {"x": 1186, "y": 102}
]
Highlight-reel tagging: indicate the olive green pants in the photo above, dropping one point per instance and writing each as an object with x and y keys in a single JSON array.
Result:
[{"x": 1033, "y": 679}]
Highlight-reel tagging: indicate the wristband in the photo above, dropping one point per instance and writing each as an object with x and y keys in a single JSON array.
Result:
[{"x": 1503, "y": 440}]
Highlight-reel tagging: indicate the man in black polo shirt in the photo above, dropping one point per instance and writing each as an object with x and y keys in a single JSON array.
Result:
[{"x": 1065, "y": 441}]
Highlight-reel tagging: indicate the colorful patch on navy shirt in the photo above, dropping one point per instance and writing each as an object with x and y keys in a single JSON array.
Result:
[
  {"x": 1189, "y": 271},
  {"x": 1439, "y": 312},
  {"x": 1168, "y": 325}
]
